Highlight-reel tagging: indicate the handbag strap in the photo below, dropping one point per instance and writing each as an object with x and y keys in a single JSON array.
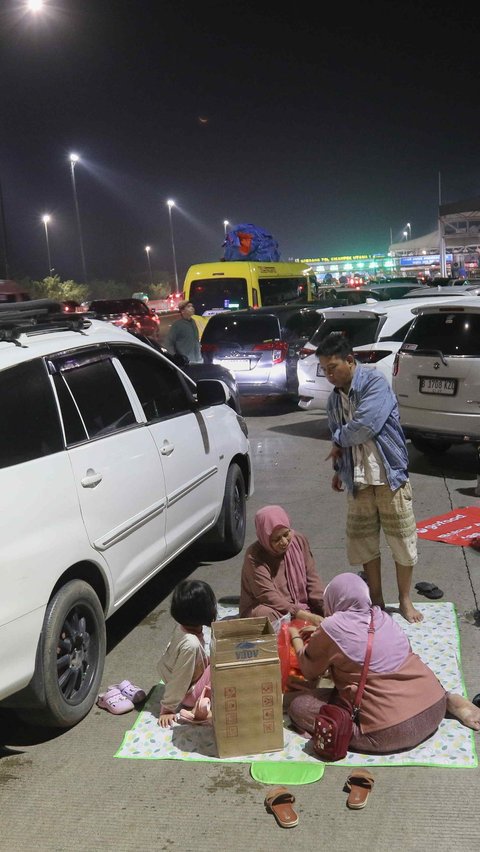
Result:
[{"x": 368, "y": 654}]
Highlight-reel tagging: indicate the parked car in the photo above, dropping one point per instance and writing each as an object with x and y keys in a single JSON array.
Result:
[
  {"x": 376, "y": 332},
  {"x": 455, "y": 291},
  {"x": 112, "y": 462},
  {"x": 130, "y": 314},
  {"x": 260, "y": 346},
  {"x": 436, "y": 376},
  {"x": 198, "y": 372}
]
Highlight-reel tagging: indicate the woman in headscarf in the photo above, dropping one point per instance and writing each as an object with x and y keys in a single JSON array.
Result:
[
  {"x": 403, "y": 702},
  {"x": 279, "y": 576}
]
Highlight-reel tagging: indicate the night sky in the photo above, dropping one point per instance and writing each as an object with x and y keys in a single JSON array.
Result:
[{"x": 328, "y": 131}]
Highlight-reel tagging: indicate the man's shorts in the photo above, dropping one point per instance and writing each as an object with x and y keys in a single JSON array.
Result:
[{"x": 378, "y": 507}]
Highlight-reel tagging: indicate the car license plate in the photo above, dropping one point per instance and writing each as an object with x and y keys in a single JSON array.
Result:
[
  {"x": 236, "y": 363},
  {"x": 320, "y": 370},
  {"x": 445, "y": 387}
]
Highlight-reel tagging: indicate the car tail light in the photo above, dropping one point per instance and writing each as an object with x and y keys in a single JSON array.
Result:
[
  {"x": 278, "y": 349},
  {"x": 396, "y": 363},
  {"x": 209, "y": 347},
  {"x": 304, "y": 353},
  {"x": 372, "y": 357}
]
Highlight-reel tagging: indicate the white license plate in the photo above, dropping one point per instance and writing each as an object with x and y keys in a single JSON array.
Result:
[
  {"x": 320, "y": 370},
  {"x": 445, "y": 387},
  {"x": 237, "y": 364}
]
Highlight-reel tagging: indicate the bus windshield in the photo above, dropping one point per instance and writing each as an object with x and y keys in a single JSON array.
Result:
[
  {"x": 274, "y": 291},
  {"x": 221, "y": 294}
]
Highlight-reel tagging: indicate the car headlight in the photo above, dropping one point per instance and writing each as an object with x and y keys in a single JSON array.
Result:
[{"x": 243, "y": 424}]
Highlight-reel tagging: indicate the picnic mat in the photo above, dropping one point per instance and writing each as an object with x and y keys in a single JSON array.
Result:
[{"x": 436, "y": 639}]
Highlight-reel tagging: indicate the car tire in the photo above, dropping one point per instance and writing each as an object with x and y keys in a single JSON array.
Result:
[
  {"x": 227, "y": 537},
  {"x": 431, "y": 446},
  {"x": 71, "y": 656}
]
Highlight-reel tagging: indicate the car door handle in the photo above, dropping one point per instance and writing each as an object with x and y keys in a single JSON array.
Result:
[
  {"x": 91, "y": 479},
  {"x": 167, "y": 449}
]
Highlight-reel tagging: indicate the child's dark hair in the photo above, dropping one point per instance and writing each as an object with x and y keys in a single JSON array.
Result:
[
  {"x": 335, "y": 343},
  {"x": 193, "y": 602}
]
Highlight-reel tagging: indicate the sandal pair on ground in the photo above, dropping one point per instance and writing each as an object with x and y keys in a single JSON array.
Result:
[
  {"x": 121, "y": 697},
  {"x": 279, "y": 801}
]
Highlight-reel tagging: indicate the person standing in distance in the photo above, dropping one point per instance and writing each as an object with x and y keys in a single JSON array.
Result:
[
  {"x": 183, "y": 340},
  {"x": 370, "y": 459}
]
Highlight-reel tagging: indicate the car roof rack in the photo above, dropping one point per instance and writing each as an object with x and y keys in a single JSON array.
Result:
[{"x": 38, "y": 316}]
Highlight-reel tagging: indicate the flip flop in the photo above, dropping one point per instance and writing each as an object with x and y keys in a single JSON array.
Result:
[
  {"x": 359, "y": 784},
  {"x": 279, "y": 803},
  {"x": 114, "y": 701},
  {"x": 429, "y": 590},
  {"x": 134, "y": 693}
]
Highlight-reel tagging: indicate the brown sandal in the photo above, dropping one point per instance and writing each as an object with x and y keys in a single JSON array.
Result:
[
  {"x": 279, "y": 803},
  {"x": 359, "y": 784}
]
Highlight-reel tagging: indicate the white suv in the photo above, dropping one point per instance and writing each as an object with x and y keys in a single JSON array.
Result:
[
  {"x": 112, "y": 462},
  {"x": 376, "y": 333},
  {"x": 436, "y": 376}
]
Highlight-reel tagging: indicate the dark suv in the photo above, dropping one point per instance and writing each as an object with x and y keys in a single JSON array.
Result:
[
  {"x": 131, "y": 314},
  {"x": 260, "y": 346}
]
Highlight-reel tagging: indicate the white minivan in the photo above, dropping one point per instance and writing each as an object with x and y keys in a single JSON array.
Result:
[
  {"x": 376, "y": 332},
  {"x": 112, "y": 462},
  {"x": 436, "y": 376}
]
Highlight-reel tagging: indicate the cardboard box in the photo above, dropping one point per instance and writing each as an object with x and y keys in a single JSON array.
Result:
[{"x": 246, "y": 687}]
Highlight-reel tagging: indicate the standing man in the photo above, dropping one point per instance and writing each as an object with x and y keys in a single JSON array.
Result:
[
  {"x": 370, "y": 457},
  {"x": 183, "y": 339}
]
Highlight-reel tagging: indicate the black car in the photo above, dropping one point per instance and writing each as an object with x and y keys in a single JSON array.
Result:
[
  {"x": 130, "y": 314},
  {"x": 260, "y": 346}
]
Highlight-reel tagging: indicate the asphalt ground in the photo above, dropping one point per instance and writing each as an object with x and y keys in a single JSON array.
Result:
[{"x": 66, "y": 791}]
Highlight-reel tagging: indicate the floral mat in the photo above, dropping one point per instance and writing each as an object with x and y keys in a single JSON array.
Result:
[{"x": 436, "y": 639}]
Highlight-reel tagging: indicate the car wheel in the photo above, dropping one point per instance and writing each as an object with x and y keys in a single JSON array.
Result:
[
  {"x": 227, "y": 537},
  {"x": 430, "y": 446},
  {"x": 71, "y": 656}
]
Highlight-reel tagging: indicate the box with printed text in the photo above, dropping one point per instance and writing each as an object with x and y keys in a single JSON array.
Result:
[{"x": 246, "y": 687}]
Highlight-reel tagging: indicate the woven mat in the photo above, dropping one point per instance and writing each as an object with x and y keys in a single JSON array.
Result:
[{"x": 436, "y": 639}]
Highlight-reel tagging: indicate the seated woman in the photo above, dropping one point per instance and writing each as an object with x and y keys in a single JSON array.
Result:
[
  {"x": 279, "y": 575},
  {"x": 403, "y": 702}
]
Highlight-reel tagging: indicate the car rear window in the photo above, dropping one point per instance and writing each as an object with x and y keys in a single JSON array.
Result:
[
  {"x": 228, "y": 328},
  {"x": 447, "y": 332},
  {"x": 359, "y": 330}
]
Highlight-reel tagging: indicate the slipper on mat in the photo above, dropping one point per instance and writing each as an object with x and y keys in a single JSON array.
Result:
[
  {"x": 134, "y": 693},
  {"x": 279, "y": 803},
  {"x": 359, "y": 784},
  {"x": 114, "y": 701},
  {"x": 429, "y": 590}
]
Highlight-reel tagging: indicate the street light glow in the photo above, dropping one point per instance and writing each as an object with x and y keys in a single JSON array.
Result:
[
  {"x": 35, "y": 5},
  {"x": 170, "y": 203},
  {"x": 46, "y": 219},
  {"x": 74, "y": 158}
]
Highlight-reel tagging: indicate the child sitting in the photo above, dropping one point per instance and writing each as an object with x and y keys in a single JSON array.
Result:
[{"x": 185, "y": 665}]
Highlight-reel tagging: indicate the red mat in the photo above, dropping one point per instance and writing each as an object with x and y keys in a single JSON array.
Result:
[{"x": 460, "y": 526}]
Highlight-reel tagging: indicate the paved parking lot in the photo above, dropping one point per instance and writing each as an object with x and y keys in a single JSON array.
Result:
[{"x": 68, "y": 792}]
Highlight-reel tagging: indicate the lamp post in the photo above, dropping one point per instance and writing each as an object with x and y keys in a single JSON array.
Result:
[
  {"x": 225, "y": 225},
  {"x": 74, "y": 158},
  {"x": 148, "y": 250},
  {"x": 408, "y": 225},
  {"x": 171, "y": 204},
  {"x": 46, "y": 219},
  {"x": 405, "y": 235}
]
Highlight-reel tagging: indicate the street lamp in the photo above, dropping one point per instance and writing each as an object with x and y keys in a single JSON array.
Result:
[
  {"x": 408, "y": 225},
  {"x": 148, "y": 250},
  {"x": 46, "y": 219},
  {"x": 225, "y": 225},
  {"x": 171, "y": 204},
  {"x": 405, "y": 234},
  {"x": 74, "y": 158}
]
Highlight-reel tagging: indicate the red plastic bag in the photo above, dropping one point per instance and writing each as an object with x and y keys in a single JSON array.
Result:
[{"x": 288, "y": 659}]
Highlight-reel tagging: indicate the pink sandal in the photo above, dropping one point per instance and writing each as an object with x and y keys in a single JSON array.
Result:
[
  {"x": 134, "y": 693},
  {"x": 114, "y": 701}
]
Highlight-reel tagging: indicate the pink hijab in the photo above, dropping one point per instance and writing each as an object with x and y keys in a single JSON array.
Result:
[
  {"x": 268, "y": 519},
  {"x": 347, "y": 605}
]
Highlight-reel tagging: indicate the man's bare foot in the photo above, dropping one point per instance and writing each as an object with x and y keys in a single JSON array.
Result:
[
  {"x": 463, "y": 710},
  {"x": 410, "y": 614}
]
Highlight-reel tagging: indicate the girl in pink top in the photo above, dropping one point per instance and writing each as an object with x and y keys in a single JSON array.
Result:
[
  {"x": 279, "y": 575},
  {"x": 403, "y": 702}
]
